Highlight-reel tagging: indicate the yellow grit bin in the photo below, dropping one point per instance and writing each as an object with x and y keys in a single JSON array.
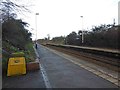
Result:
[{"x": 16, "y": 66}]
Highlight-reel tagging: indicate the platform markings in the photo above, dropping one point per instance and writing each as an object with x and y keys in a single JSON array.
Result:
[{"x": 44, "y": 74}]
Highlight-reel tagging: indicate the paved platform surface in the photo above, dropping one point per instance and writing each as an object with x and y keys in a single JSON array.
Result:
[
  {"x": 62, "y": 73},
  {"x": 32, "y": 79}
]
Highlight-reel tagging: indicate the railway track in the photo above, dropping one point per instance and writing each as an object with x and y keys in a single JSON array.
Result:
[{"x": 103, "y": 58}]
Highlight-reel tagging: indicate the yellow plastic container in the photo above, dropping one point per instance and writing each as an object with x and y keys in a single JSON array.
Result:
[{"x": 16, "y": 66}]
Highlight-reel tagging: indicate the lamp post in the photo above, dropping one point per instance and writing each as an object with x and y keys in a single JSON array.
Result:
[
  {"x": 82, "y": 30},
  {"x": 36, "y": 28},
  {"x": 36, "y": 23}
]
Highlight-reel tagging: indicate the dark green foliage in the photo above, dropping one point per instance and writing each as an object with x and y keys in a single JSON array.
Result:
[
  {"x": 15, "y": 36},
  {"x": 14, "y": 32},
  {"x": 105, "y": 36},
  {"x": 58, "y": 40},
  {"x": 30, "y": 53},
  {"x": 72, "y": 38},
  {"x": 18, "y": 54}
]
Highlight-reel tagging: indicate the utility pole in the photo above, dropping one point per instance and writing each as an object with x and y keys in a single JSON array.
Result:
[
  {"x": 114, "y": 21},
  {"x": 36, "y": 29},
  {"x": 82, "y": 30}
]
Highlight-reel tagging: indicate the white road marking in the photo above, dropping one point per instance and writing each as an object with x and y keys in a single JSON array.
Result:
[{"x": 44, "y": 74}]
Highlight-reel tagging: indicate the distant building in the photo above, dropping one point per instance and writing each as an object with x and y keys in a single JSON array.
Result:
[{"x": 119, "y": 13}]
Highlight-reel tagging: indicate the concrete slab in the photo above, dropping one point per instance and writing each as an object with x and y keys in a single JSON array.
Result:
[
  {"x": 97, "y": 73},
  {"x": 104, "y": 76},
  {"x": 92, "y": 70},
  {"x": 112, "y": 80}
]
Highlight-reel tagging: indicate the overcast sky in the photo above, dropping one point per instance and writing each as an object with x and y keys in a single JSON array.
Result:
[{"x": 61, "y": 17}]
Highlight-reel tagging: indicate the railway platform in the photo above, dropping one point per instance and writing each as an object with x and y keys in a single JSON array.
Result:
[
  {"x": 57, "y": 71},
  {"x": 62, "y": 73}
]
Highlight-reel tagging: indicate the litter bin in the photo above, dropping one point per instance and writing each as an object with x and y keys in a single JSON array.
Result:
[{"x": 16, "y": 66}]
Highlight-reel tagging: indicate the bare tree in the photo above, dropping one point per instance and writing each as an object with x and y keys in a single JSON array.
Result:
[{"x": 8, "y": 9}]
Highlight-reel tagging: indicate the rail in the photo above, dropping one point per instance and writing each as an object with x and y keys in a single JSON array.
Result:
[
  {"x": 105, "y": 56},
  {"x": 104, "y": 52}
]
